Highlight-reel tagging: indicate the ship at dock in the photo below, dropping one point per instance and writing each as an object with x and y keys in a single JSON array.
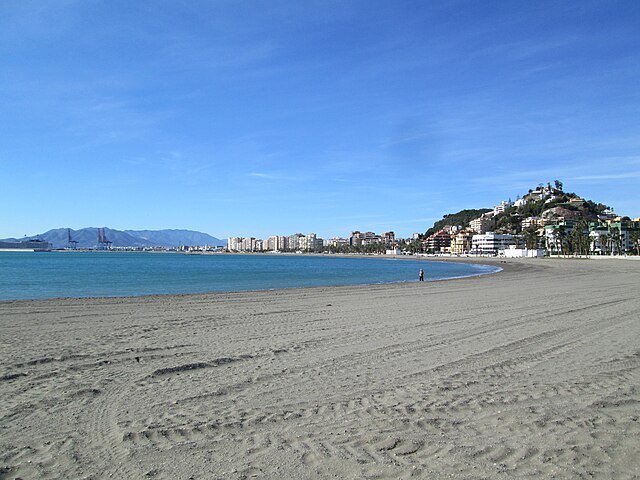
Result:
[{"x": 35, "y": 245}]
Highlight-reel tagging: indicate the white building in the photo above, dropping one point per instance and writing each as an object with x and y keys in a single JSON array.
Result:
[
  {"x": 234, "y": 244},
  {"x": 491, "y": 243},
  {"x": 248, "y": 244},
  {"x": 502, "y": 206},
  {"x": 482, "y": 224},
  {"x": 513, "y": 252},
  {"x": 276, "y": 243},
  {"x": 309, "y": 243},
  {"x": 520, "y": 202},
  {"x": 338, "y": 242},
  {"x": 293, "y": 241}
]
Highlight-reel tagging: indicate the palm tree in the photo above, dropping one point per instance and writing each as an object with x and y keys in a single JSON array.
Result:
[
  {"x": 616, "y": 239},
  {"x": 561, "y": 238},
  {"x": 531, "y": 238},
  {"x": 604, "y": 242},
  {"x": 635, "y": 240},
  {"x": 579, "y": 239}
]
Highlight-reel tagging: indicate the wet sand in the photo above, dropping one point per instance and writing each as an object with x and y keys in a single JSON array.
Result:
[{"x": 533, "y": 372}]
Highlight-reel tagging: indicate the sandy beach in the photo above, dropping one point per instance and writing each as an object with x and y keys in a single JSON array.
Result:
[{"x": 533, "y": 372}]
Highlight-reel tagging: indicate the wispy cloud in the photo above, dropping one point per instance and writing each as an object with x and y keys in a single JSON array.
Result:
[
  {"x": 277, "y": 177},
  {"x": 606, "y": 176},
  {"x": 263, "y": 175}
]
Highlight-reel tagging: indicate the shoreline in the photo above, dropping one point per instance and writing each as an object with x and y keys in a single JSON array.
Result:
[
  {"x": 533, "y": 372},
  {"x": 503, "y": 264},
  {"x": 213, "y": 292}
]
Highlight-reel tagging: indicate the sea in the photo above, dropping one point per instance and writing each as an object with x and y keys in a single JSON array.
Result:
[{"x": 38, "y": 275}]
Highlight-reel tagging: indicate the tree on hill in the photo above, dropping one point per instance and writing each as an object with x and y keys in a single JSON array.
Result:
[
  {"x": 594, "y": 209},
  {"x": 532, "y": 209},
  {"x": 508, "y": 221},
  {"x": 462, "y": 218}
]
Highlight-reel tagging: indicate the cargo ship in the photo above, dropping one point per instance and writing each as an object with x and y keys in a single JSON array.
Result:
[{"x": 35, "y": 245}]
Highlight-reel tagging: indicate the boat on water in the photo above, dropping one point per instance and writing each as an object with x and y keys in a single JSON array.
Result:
[{"x": 35, "y": 245}]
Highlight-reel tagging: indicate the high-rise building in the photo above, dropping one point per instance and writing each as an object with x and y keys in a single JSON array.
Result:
[
  {"x": 234, "y": 244},
  {"x": 294, "y": 241},
  {"x": 389, "y": 237},
  {"x": 248, "y": 244}
]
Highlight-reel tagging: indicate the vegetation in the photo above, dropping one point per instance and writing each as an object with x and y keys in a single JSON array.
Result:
[
  {"x": 593, "y": 209},
  {"x": 635, "y": 241},
  {"x": 463, "y": 218},
  {"x": 578, "y": 241},
  {"x": 550, "y": 203}
]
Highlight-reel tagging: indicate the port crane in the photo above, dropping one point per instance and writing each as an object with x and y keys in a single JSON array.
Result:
[
  {"x": 70, "y": 241},
  {"x": 102, "y": 239}
]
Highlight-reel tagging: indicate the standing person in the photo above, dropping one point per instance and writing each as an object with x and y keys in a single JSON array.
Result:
[{"x": 421, "y": 275}]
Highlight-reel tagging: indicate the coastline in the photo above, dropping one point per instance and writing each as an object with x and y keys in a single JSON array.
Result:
[
  {"x": 533, "y": 371},
  {"x": 222, "y": 273}
]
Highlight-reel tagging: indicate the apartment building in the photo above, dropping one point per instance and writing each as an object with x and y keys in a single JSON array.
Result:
[
  {"x": 555, "y": 234},
  {"x": 461, "y": 242},
  {"x": 482, "y": 224},
  {"x": 389, "y": 237},
  {"x": 490, "y": 242},
  {"x": 613, "y": 235},
  {"x": 364, "y": 238},
  {"x": 248, "y": 244},
  {"x": 438, "y": 242},
  {"x": 338, "y": 242},
  {"x": 276, "y": 243},
  {"x": 532, "y": 222},
  {"x": 293, "y": 241},
  {"x": 234, "y": 244}
]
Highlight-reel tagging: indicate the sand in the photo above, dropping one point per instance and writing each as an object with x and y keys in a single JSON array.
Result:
[{"x": 533, "y": 372}]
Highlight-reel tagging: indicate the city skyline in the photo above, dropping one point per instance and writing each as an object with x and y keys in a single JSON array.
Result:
[{"x": 327, "y": 117}]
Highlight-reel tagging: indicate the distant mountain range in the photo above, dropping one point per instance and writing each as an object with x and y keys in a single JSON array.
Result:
[{"x": 88, "y": 238}]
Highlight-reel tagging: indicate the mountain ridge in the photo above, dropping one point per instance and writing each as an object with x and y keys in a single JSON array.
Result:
[{"x": 88, "y": 238}]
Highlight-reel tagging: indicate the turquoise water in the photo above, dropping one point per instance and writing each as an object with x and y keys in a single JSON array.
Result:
[{"x": 29, "y": 275}]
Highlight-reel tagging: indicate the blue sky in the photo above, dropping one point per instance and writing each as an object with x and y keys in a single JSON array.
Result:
[{"x": 261, "y": 118}]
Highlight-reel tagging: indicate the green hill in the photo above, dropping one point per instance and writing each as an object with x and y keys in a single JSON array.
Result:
[{"x": 463, "y": 217}]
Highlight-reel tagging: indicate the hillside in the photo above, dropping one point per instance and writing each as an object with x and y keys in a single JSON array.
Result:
[
  {"x": 463, "y": 218},
  {"x": 549, "y": 203},
  {"x": 553, "y": 205}
]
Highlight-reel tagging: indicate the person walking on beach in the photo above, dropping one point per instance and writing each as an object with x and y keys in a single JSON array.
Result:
[{"x": 421, "y": 275}]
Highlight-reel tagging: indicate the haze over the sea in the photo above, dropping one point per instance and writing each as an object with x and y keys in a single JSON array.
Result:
[{"x": 264, "y": 118}]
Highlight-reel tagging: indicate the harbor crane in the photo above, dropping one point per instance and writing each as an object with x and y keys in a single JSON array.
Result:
[
  {"x": 71, "y": 243},
  {"x": 102, "y": 239}
]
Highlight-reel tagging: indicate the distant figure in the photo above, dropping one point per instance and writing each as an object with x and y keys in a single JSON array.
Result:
[{"x": 421, "y": 275}]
